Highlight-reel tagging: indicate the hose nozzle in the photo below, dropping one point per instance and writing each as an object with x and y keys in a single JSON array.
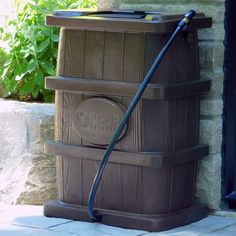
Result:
[{"x": 187, "y": 18}]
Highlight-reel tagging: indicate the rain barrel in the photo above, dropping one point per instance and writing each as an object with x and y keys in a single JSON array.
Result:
[{"x": 149, "y": 181}]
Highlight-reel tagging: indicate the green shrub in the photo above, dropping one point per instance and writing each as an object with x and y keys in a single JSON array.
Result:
[
  {"x": 31, "y": 49},
  {"x": 87, "y": 3}
]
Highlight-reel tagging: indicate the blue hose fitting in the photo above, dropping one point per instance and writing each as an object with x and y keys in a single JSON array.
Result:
[{"x": 187, "y": 19}]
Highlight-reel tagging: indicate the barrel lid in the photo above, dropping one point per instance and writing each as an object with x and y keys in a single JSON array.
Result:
[{"x": 123, "y": 21}]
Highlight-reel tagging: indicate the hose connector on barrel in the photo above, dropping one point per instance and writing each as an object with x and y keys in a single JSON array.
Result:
[{"x": 187, "y": 19}]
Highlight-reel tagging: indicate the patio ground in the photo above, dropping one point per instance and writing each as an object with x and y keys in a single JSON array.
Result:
[{"x": 29, "y": 220}]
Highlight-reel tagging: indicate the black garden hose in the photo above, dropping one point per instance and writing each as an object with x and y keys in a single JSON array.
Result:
[{"x": 180, "y": 27}]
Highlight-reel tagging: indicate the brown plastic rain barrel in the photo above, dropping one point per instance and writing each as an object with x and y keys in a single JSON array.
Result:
[{"x": 149, "y": 182}]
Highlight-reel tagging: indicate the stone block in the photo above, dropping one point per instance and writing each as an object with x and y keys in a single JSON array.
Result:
[
  {"x": 211, "y": 133},
  {"x": 211, "y": 55},
  {"x": 215, "y": 34},
  {"x": 208, "y": 185},
  {"x": 211, "y": 107},
  {"x": 26, "y": 174},
  {"x": 217, "y": 78}
]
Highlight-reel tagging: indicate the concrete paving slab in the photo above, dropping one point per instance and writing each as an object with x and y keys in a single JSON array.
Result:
[
  {"x": 31, "y": 216},
  {"x": 215, "y": 222},
  {"x": 73, "y": 227},
  {"x": 227, "y": 231},
  {"x": 184, "y": 230},
  {"x": 29, "y": 220},
  {"x": 173, "y": 234},
  {"x": 221, "y": 233},
  {"x": 13, "y": 230},
  {"x": 231, "y": 228},
  {"x": 85, "y": 228}
]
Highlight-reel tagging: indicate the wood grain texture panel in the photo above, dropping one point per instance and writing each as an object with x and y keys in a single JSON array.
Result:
[
  {"x": 186, "y": 122},
  {"x": 72, "y": 175},
  {"x": 61, "y": 53},
  {"x": 132, "y": 139},
  {"x": 131, "y": 178},
  {"x": 180, "y": 139},
  {"x": 58, "y": 137},
  {"x": 168, "y": 124},
  {"x": 74, "y": 53},
  {"x": 89, "y": 169},
  {"x": 190, "y": 183},
  {"x": 134, "y": 57},
  {"x": 83, "y": 98},
  {"x": 111, "y": 187},
  {"x": 72, "y": 181},
  {"x": 157, "y": 125},
  {"x": 118, "y": 99},
  {"x": 58, "y": 115},
  {"x": 60, "y": 177},
  {"x": 59, "y": 96},
  {"x": 113, "y": 56},
  {"x": 185, "y": 57},
  {"x": 183, "y": 184},
  {"x": 71, "y": 101},
  {"x": 156, "y": 190},
  {"x": 193, "y": 119},
  {"x": 94, "y": 55},
  {"x": 165, "y": 71}
]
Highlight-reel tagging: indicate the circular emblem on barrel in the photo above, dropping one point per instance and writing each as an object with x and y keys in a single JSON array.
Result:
[{"x": 97, "y": 118}]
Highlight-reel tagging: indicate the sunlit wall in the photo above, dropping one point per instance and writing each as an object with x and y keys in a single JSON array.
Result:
[{"x": 8, "y": 9}]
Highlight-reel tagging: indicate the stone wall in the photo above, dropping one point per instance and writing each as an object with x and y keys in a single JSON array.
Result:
[
  {"x": 27, "y": 175},
  {"x": 211, "y": 62}
]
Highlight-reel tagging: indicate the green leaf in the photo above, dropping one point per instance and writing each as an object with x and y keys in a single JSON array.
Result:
[
  {"x": 39, "y": 79},
  {"x": 55, "y": 38},
  {"x": 17, "y": 70},
  {"x": 32, "y": 6},
  {"x": 12, "y": 84},
  {"x": 27, "y": 87},
  {"x": 24, "y": 66},
  {"x": 31, "y": 66},
  {"x": 54, "y": 52},
  {"x": 5, "y": 72},
  {"x": 48, "y": 67},
  {"x": 35, "y": 92},
  {"x": 43, "y": 45},
  {"x": 48, "y": 97},
  {"x": 8, "y": 62}
]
